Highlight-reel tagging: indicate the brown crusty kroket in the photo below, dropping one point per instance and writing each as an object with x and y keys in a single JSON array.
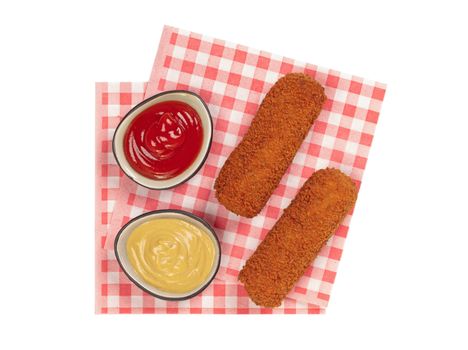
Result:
[
  {"x": 296, "y": 239},
  {"x": 255, "y": 167}
]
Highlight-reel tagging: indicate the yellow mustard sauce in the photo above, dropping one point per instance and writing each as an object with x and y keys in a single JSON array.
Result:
[{"x": 172, "y": 255}]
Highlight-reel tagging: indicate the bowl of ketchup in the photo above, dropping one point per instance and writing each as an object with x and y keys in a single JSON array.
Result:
[{"x": 164, "y": 140}]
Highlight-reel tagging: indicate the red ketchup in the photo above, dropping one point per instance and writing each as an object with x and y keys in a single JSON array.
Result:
[{"x": 164, "y": 140}]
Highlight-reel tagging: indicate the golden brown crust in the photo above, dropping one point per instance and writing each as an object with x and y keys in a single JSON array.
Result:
[
  {"x": 295, "y": 240},
  {"x": 254, "y": 169}
]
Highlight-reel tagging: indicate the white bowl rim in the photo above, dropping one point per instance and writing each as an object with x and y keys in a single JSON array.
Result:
[
  {"x": 152, "y": 184},
  {"x": 136, "y": 280}
]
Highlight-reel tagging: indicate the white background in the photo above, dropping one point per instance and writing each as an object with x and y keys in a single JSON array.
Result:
[{"x": 402, "y": 281}]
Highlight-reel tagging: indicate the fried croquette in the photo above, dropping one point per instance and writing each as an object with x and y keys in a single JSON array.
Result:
[
  {"x": 255, "y": 167},
  {"x": 296, "y": 239}
]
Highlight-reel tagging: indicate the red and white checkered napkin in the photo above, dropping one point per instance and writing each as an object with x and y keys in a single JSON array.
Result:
[
  {"x": 114, "y": 292},
  {"x": 233, "y": 80}
]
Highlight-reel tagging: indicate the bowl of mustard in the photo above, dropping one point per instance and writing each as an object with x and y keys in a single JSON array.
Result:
[{"x": 170, "y": 254}]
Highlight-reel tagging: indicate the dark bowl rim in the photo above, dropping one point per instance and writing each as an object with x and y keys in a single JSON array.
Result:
[
  {"x": 178, "y": 211},
  {"x": 148, "y": 100}
]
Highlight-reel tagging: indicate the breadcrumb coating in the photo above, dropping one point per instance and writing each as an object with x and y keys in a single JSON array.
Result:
[
  {"x": 296, "y": 239},
  {"x": 255, "y": 167}
]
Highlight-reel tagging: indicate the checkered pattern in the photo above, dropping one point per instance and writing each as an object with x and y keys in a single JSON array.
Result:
[
  {"x": 114, "y": 292},
  {"x": 233, "y": 80}
]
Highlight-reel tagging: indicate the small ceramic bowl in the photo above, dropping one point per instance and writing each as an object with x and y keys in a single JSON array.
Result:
[
  {"x": 187, "y": 97},
  {"x": 120, "y": 245}
]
